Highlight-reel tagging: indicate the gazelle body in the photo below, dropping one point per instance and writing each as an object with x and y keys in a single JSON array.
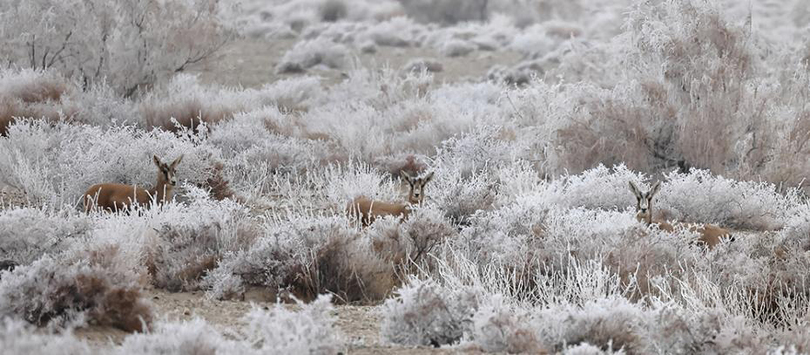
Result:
[
  {"x": 114, "y": 197},
  {"x": 367, "y": 210},
  {"x": 710, "y": 235}
]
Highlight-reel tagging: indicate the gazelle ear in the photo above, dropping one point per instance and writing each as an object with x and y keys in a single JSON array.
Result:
[
  {"x": 635, "y": 190},
  {"x": 427, "y": 178},
  {"x": 408, "y": 178},
  {"x": 655, "y": 189},
  {"x": 156, "y": 160},
  {"x": 177, "y": 161}
]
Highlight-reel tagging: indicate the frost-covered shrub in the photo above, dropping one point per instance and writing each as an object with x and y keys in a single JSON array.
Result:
[
  {"x": 396, "y": 32},
  {"x": 54, "y": 165},
  {"x": 500, "y": 328},
  {"x": 446, "y": 11},
  {"x": 609, "y": 324},
  {"x": 91, "y": 41},
  {"x": 33, "y": 93},
  {"x": 27, "y": 234},
  {"x": 308, "y": 54},
  {"x": 460, "y": 198},
  {"x": 19, "y": 337},
  {"x": 307, "y": 255},
  {"x": 264, "y": 142},
  {"x": 426, "y": 313},
  {"x": 308, "y": 331},
  {"x": 457, "y": 48},
  {"x": 426, "y": 229},
  {"x": 597, "y": 188},
  {"x": 699, "y": 196},
  {"x": 190, "y": 241},
  {"x": 423, "y": 64},
  {"x": 193, "y": 337},
  {"x": 30, "y": 85},
  {"x": 50, "y": 292},
  {"x": 189, "y": 103},
  {"x": 264, "y": 264}
]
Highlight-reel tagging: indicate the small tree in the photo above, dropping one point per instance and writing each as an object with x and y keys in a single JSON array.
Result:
[{"x": 130, "y": 44}]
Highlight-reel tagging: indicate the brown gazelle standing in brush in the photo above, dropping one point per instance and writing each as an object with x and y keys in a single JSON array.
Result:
[
  {"x": 710, "y": 235},
  {"x": 367, "y": 210},
  {"x": 114, "y": 197}
]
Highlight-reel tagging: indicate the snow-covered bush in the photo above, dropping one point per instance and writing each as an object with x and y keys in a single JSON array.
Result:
[
  {"x": 33, "y": 93},
  {"x": 195, "y": 336},
  {"x": 426, "y": 313},
  {"x": 497, "y": 327},
  {"x": 308, "y": 54},
  {"x": 281, "y": 331},
  {"x": 189, "y": 241},
  {"x": 19, "y": 337},
  {"x": 308, "y": 256},
  {"x": 57, "y": 293},
  {"x": 26, "y": 234},
  {"x": 446, "y": 11},
  {"x": 310, "y": 330}
]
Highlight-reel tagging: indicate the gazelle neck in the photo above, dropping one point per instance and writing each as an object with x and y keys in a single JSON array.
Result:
[
  {"x": 646, "y": 219},
  {"x": 163, "y": 191}
]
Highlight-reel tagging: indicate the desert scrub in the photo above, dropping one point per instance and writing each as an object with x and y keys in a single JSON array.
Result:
[
  {"x": 58, "y": 293},
  {"x": 26, "y": 234}
]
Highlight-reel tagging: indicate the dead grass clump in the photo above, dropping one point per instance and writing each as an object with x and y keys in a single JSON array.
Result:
[
  {"x": 219, "y": 186},
  {"x": 613, "y": 130},
  {"x": 425, "y": 230},
  {"x": 32, "y": 94},
  {"x": 120, "y": 307},
  {"x": 641, "y": 256},
  {"x": 50, "y": 89},
  {"x": 396, "y": 164},
  {"x": 345, "y": 266},
  {"x": 330, "y": 270},
  {"x": 31, "y": 86},
  {"x": 426, "y": 313},
  {"x": 610, "y": 324},
  {"x": 13, "y": 108},
  {"x": 188, "y": 113},
  {"x": 181, "y": 256}
]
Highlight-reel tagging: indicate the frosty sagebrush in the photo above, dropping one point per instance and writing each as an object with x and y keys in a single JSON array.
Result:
[{"x": 275, "y": 331}]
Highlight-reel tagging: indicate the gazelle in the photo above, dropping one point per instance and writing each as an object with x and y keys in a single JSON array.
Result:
[
  {"x": 367, "y": 210},
  {"x": 709, "y": 235},
  {"x": 115, "y": 197}
]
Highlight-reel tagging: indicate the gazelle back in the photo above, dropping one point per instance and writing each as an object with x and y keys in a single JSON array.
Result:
[
  {"x": 113, "y": 197},
  {"x": 367, "y": 210},
  {"x": 710, "y": 235}
]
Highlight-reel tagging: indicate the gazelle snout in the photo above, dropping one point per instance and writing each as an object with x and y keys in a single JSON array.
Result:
[
  {"x": 643, "y": 206},
  {"x": 417, "y": 193}
]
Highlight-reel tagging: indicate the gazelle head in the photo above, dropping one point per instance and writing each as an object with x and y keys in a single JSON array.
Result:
[
  {"x": 166, "y": 172},
  {"x": 417, "y": 194},
  {"x": 644, "y": 201}
]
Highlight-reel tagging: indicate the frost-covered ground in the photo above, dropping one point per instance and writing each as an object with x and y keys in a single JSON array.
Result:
[{"x": 532, "y": 115}]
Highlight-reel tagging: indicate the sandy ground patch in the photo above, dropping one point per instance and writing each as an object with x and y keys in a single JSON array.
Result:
[{"x": 251, "y": 63}]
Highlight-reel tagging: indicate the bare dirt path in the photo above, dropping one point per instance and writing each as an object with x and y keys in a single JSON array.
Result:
[{"x": 359, "y": 325}]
